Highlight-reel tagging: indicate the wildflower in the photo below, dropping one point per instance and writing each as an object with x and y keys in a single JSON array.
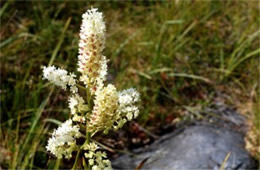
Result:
[
  {"x": 127, "y": 109},
  {"x": 112, "y": 109},
  {"x": 73, "y": 102},
  {"x": 104, "y": 111},
  {"x": 92, "y": 23},
  {"x": 77, "y": 105},
  {"x": 92, "y": 64},
  {"x": 78, "y": 118},
  {"x": 96, "y": 158},
  {"x": 63, "y": 141},
  {"x": 60, "y": 78}
]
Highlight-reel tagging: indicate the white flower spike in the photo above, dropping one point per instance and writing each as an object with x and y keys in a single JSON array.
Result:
[
  {"x": 92, "y": 64},
  {"x": 97, "y": 107}
]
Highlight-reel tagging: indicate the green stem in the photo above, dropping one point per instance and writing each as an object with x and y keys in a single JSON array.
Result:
[
  {"x": 76, "y": 160},
  {"x": 84, "y": 164},
  {"x": 88, "y": 137},
  {"x": 88, "y": 94},
  {"x": 89, "y": 106},
  {"x": 81, "y": 87},
  {"x": 57, "y": 164},
  {"x": 88, "y": 98}
]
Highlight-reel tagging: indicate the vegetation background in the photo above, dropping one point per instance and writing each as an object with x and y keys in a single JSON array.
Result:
[{"x": 180, "y": 55}]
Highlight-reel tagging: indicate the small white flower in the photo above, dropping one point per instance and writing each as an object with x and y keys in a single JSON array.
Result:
[
  {"x": 60, "y": 78},
  {"x": 63, "y": 141},
  {"x": 129, "y": 96},
  {"x": 95, "y": 167},
  {"x": 92, "y": 23},
  {"x": 90, "y": 154},
  {"x": 129, "y": 116},
  {"x": 91, "y": 146},
  {"x": 96, "y": 158},
  {"x": 73, "y": 102},
  {"x": 127, "y": 109},
  {"x": 77, "y": 103},
  {"x": 77, "y": 118},
  {"x": 91, "y": 162}
]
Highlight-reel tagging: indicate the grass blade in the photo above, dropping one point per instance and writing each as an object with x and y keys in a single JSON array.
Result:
[
  {"x": 36, "y": 119},
  {"x": 245, "y": 58},
  {"x": 224, "y": 162},
  {"x": 57, "y": 48},
  {"x": 3, "y": 8},
  {"x": 190, "y": 76},
  {"x": 55, "y": 121},
  {"x": 122, "y": 45}
]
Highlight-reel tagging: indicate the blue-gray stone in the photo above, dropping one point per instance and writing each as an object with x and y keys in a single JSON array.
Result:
[{"x": 201, "y": 145}]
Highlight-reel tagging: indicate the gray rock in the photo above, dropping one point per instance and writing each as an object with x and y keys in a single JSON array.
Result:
[{"x": 201, "y": 145}]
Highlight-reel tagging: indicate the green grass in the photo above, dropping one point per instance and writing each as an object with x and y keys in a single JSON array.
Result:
[{"x": 176, "y": 54}]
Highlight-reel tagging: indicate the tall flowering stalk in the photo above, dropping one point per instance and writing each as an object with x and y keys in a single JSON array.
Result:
[{"x": 94, "y": 106}]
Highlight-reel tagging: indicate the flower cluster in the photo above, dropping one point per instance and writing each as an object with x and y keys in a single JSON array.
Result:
[
  {"x": 113, "y": 109},
  {"x": 63, "y": 141},
  {"x": 60, "y": 78},
  {"x": 77, "y": 105},
  {"x": 104, "y": 111},
  {"x": 92, "y": 64},
  {"x": 96, "y": 159},
  {"x": 94, "y": 107},
  {"x": 127, "y": 109}
]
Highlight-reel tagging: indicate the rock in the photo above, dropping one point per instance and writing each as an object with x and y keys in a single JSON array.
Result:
[{"x": 202, "y": 145}]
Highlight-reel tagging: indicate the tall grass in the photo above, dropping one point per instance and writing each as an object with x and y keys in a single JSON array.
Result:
[{"x": 179, "y": 54}]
